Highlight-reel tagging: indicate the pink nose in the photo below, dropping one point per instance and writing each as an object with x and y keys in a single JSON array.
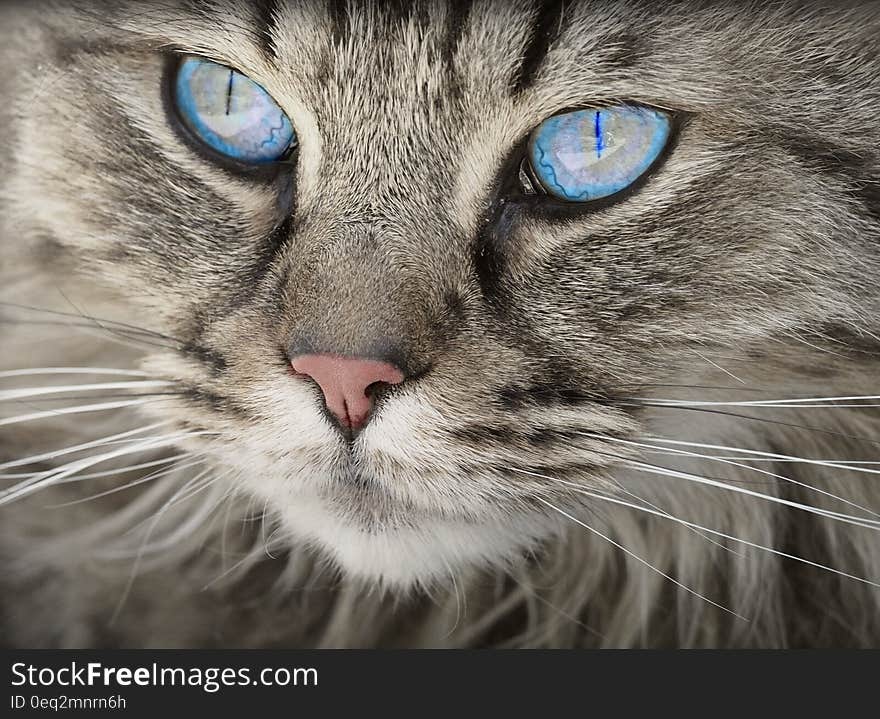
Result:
[{"x": 344, "y": 382}]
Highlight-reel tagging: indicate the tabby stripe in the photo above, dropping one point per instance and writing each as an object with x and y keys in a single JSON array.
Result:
[
  {"x": 623, "y": 50},
  {"x": 457, "y": 16},
  {"x": 337, "y": 10},
  {"x": 399, "y": 12},
  {"x": 827, "y": 158},
  {"x": 267, "y": 12},
  {"x": 546, "y": 25}
]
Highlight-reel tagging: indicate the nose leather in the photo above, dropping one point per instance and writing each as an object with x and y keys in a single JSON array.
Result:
[{"x": 345, "y": 382}]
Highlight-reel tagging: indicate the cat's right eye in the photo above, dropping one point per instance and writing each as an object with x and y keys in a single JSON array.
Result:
[
  {"x": 588, "y": 155},
  {"x": 230, "y": 113}
]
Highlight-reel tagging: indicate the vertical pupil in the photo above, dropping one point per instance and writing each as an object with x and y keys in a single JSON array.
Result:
[
  {"x": 598, "y": 130},
  {"x": 229, "y": 90}
]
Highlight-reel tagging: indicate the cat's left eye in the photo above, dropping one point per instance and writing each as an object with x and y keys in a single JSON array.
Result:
[
  {"x": 230, "y": 113},
  {"x": 591, "y": 154}
]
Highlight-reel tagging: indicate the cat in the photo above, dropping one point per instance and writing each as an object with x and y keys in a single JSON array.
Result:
[{"x": 386, "y": 385}]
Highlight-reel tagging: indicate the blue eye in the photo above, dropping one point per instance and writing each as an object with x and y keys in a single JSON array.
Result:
[
  {"x": 230, "y": 112},
  {"x": 590, "y": 154}
]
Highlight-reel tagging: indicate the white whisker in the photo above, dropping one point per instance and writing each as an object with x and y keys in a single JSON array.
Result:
[
  {"x": 639, "y": 559},
  {"x": 228, "y": 571},
  {"x": 79, "y": 409},
  {"x": 204, "y": 510},
  {"x": 696, "y": 531},
  {"x": 718, "y": 366},
  {"x": 666, "y": 515},
  {"x": 184, "y": 493},
  {"x": 681, "y": 452},
  {"x": 33, "y": 459},
  {"x": 142, "y": 480},
  {"x": 798, "y": 460},
  {"x": 109, "y": 371},
  {"x": 849, "y": 466},
  {"x": 106, "y": 473},
  {"x": 801, "y": 402},
  {"x": 27, "y": 392},
  {"x": 837, "y": 516},
  {"x": 131, "y": 468},
  {"x": 154, "y": 521},
  {"x": 55, "y": 475}
]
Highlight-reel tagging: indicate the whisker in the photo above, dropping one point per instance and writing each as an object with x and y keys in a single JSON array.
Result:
[
  {"x": 715, "y": 387},
  {"x": 154, "y": 522},
  {"x": 195, "y": 520},
  {"x": 26, "y": 392},
  {"x": 55, "y": 476},
  {"x": 270, "y": 541},
  {"x": 639, "y": 559},
  {"x": 80, "y": 409},
  {"x": 42, "y": 401},
  {"x": 718, "y": 366},
  {"x": 99, "y": 475},
  {"x": 769, "y": 455},
  {"x": 125, "y": 337},
  {"x": 777, "y": 403},
  {"x": 223, "y": 540},
  {"x": 110, "y": 371},
  {"x": 225, "y": 573},
  {"x": 862, "y": 522},
  {"x": 33, "y": 459},
  {"x": 460, "y": 600},
  {"x": 127, "y": 327},
  {"x": 183, "y": 494},
  {"x": 131, "y": 468},
  {"x": 837, "y": 516},
  {"x": 556, "y": 609},
  {"x": 793, "y": 425},
  {"x": 263, "y": 518},
  {"x": 94, "y": 320},
  {"x": 666, "y": 515},
  {"x": 119, "y": 521},
  {"x": 718, "y": 544},
  {"x": 681, "y": 452},
  {"x": 142, "y": 480},
  {"x": 855, "y": 462}
]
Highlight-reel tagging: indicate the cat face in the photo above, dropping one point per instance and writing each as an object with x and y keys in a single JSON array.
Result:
[{"x": 523, "y": 325}]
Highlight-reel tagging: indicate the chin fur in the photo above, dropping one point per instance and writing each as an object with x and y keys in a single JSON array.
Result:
[{"x": 429, "y": 554}]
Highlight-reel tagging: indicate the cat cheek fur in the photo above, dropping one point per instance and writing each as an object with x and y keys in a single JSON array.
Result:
[{"x": 541, "y": 344}]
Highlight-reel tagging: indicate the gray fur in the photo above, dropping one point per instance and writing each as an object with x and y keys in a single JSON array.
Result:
[{"x": 745, "y": 268}]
